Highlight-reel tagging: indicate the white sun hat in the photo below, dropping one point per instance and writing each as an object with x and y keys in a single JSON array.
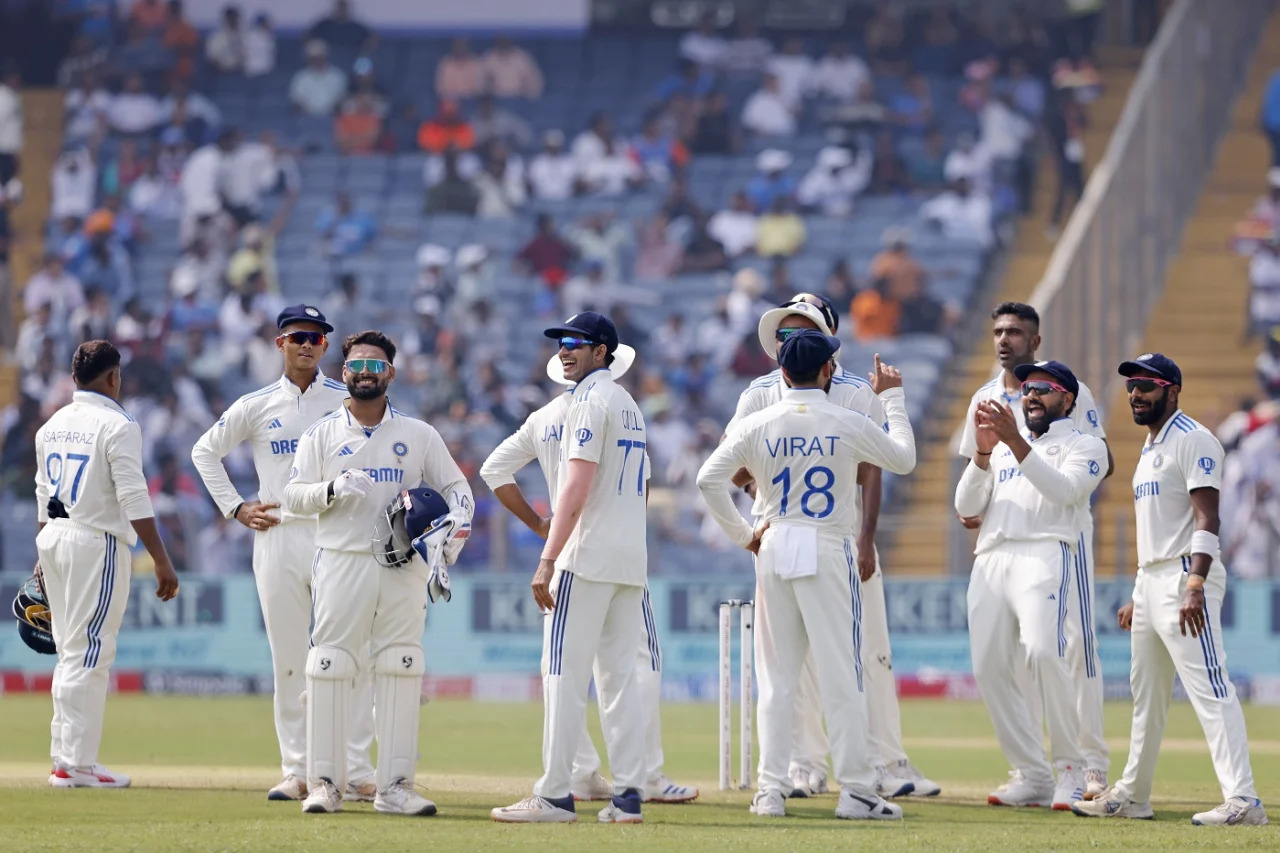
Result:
[
  {"x": 623, "y": 357},
  {"x": 772, "y": 319}
]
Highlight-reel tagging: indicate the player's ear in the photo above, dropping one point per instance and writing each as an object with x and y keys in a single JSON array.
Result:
[
  {"x": 391, "y": 373},
  {"x": 1035, "y": 342}
]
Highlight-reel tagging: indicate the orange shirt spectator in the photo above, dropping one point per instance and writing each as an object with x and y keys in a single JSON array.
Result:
[
  {"x": 875, "y": 315},
  {"x": 896, "y": 266},
  {"x": 510, "y": 72},
  {"x": 358, "y": 127},
  {"x": 447, "y": 129},
  {"x": 459, "y": 74},
  {"x": 183, "y": 39}
]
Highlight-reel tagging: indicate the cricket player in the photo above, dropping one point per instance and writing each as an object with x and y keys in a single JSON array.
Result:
[
  {"x": 92, "y": 505},
  {"x": 1016, "y": 337},
  {"x": 271, "y": 419},
  {"x": 803, "y": 453},
  {"x": 349, "y": 466},
  {"x": 1033, "y": 497},
  {"x": 539, "y": 439},
  {"x": 895, "y": 774},
  {"x": 1175, "y": 616},
  {"x": 596, "y": 553}
]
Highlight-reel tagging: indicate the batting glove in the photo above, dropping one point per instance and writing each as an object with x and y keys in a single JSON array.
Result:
[{"x": 354, "y": 482}]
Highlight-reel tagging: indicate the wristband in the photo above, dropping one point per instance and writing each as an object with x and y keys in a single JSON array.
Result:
[
  {"x": 329, "y": 493},
  {"x": 980, "y": 453},
  {"x": 235, "y": 513},
  {"x": 1204, "y": 542}
]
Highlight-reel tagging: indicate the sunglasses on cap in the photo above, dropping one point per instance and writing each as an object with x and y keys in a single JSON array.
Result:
[
  {"x": 782, "y": 334},
  {"x": 1040, "y": 387},
  {"x": 572, "y": 344},
  {"x": 366, "y": 365},
  {"x": 300, "y": 338},
  {"x": 1145, "y": 384}
]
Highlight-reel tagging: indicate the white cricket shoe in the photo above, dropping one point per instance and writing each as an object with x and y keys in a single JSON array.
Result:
[
  {"x": 96, "y": 776},
  {"x": 1095, "y": 783},
  {"x": 1019, "y": 792},
  {"x": 594, "y": 787},
  {"x": 808, "y": 783},
  {"x": 662, "y": 790},
  {"x": 855, "y": 807},
  {"x": 769, "y": 803},
  {"x": 324, "y": 798},
  {"x": 924, "y": 786},
  {"x": 623, "y": 808},
  {"x": 365, "y": 791},
  {"x": 537, "y": 810},
  {"x": 1070, "y": 788},
  {"x": 1237, "y": 811},
  {"x": 290, "y": 788},
  {"x": 891, "y": 782},
  {"x": 1110, "y": 804},
  {"x": 400, "y": 798}
]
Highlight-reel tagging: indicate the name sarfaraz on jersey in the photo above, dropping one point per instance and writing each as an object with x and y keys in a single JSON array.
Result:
[
  {"x": 284, "y": 447},
  {"x": 66, "y": 436},
  {"x": 798, "y": 445},
  {"x": 1146, "y": 490},
  {"x": 383, "y": 475}
]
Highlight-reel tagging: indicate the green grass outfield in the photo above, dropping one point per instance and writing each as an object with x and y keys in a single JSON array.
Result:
[{"x": 201, "y": 767}]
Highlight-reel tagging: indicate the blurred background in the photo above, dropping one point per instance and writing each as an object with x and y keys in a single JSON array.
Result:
[{"x": 173, "y": 173}]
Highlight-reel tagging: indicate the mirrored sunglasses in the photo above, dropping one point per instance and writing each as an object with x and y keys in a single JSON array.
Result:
[
  {"x": 1040, "y": 387},
  {"x": 572, "y": 344},
  {"x": 1145, "y": 384},
  {"x": 300, "y": 338},
  {"x": 366, "y": 365}
]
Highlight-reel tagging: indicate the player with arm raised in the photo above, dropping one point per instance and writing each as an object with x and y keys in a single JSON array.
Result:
[
  {"x": 271, "y": 419},
  {"x": 895, "y": 774},
  {"x": 803, "y": 453},
  {"x": 1016, "y": 337},
  {"x": 349, "y": 467},
  {"x": 1175, "y": 615},
  {"x": 92, "y": 506}
]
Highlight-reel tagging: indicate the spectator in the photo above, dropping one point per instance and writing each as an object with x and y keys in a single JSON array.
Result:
[
  {"x": 259, "y": 47},
  {"x": 886, "y": 40},
  {"x": 1005, "y": 135},
  {"x": 969, "y": 161},
  {"x": 92, "y": 321},
  {"x": 1251, "y": 503},
  {"x": 659, "y": 154},
  {"x": 602, "y": 238},
  {"x": 11, "y": 123},
  {"x": 119, "y": 174},
  {"x": 670, "y": 340},
  {"x": 711, "y": 336},
  {"x": 510, "y": 72},
  {"x": 1264, "y": 287},
  {"x": 105, "y": 265},
  {"x": 56, "y": 288},
  {"x": 134, "y": 111},
  {"x": 678, "y": 205},
  {"x": 552, "y": 172},
  {"x": 365, "y": 82},
  {"x": 475, "y": 278},
  {"x": 340, "y": 29},
  {"x": 196, "y": 105},
  {"x": 590, "y": 145},
  {"x": 659, "y": 256},
  {"x": 937, "y": 55},
  {"x": 501, "y": 186},
  {"x": 1065, "y": 127},
  {"x": 912, "y": 109},
  {"x": 794, "y": 71},
  {"x": 32, "y": 332},
  {"x": 614, "y": 173},
  {"x": 863, "y": 112},
  {"x": 141, "y": 54},
  {"x": 704, "y": 45},
  {"x": 154, "y": 197},
  {"x": 702, "y": 251},
  {"x": 358, "y": 127},
  {"x": 736, "y": 227},
  {"x": 834, "y": 181},
  {"x": 781, "y": 231},
  {"x": 888, "y": 172},
  {"x": 772, "y": 182},
  {"x": 200, "y": 264},
  {"x": 447, "y": 129},
  {"x": 493, "y": 122},
  {"x": 840, "y": 76},
  {"x": 962, "y": 214},
  {"x": 203, "y": 177},
  {"x": 317, "y": 89},
  {"x": 546, "y": 254},
  {"x": 85, "y": 109},
  {"x": 896, "y": 265},
  {"x": 225, "y": 47},
  {"x": 1026, "y": 91},
  {"x": 67, "y": 239},
  {"x": 433, "y": 288},
  {"x": 767, "y": 112},
  {"x": 459, "y": 74},
  {"x": 1267, "y": 365},
  {"x": 592, "y": 290},
  {"x": 343, "y": 230},
  {"x": 347, "y": 303},
  {"x": 257, "y": 250},
  {"x": 840, "y": 286},
  {"x": 744, "y": 303},
  {"x": 74, "y": 182},
  {"x": 747, "y": 52},
  {"x": 182, "y": 39},
  {"x": 714, "y": 132},
  {"x": 83, "y": 58},
  {"x": 454, "y": 193},
  {"x": 875, "y": 313},
  {"x": 688, "y": 80},
  {"x": 926, "y": 165},
  {"x": 182, "y": 128},
  {"x": 189, "y": 310}
]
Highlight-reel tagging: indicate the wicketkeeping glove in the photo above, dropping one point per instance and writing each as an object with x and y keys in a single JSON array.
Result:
[
  {"x": 431, "y": 547},
  {"x": 354, "y": 482},
  {"x": 458, "y": 538}
]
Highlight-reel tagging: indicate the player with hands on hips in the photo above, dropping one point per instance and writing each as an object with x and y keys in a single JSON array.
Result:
[
  {"x": 1175, "y": 614},
  {"x": 350, "y": 466},
  {"x": 92, "y": 505}
]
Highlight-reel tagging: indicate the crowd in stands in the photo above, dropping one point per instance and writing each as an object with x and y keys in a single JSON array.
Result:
[{"x": 148, "y": 155}]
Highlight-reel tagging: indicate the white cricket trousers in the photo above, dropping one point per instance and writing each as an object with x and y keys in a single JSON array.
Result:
[
  {"x": 600, "y": 622},
  {"x": 821, "y": 613},
  {"x": 1018, "y": 599},
  {"x": 86, "y": 576},
  {"x": 649, "y": 685},
  {"x": 1160, "y": 651},
  {"x": 884, "y": 726},
  {"x": 283, "y": 557}
]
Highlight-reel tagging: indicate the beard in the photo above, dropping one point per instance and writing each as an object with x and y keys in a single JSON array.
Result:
[
  {"x": 1039, "y": 423},
  {"x": 1155, "y": 411},
  {"x": 367, "y": 392}
]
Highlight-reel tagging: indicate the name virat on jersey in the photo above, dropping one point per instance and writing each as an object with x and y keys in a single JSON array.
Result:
[{"x": 797, "y": 445}]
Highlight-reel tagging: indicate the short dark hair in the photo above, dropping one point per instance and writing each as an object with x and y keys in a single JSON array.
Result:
[
  {"x": 804, "y": 378},
  {"x": 92, "y": 360},
  {"x": 1021, "y": 310},
  {"x": 373, "y": 338}
]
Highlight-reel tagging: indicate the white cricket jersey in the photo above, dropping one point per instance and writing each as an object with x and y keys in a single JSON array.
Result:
[
  {"x": 1183, "y": 457},
  {"x": 803, "y": 452},
  {"x": 399, "y": 453},
  {"x": 604, "y": 425},
  {"x": 848, "y": 390},
  {"x": 1084, "y": 417},
  {"x": 538, "y": 438},
  {"x": 89, "y": 456},
  {"x": 1045, "y": 497},
  {"x": 271, "y": 419}
]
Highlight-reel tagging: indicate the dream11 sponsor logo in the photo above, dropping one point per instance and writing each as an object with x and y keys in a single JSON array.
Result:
[
  {"x": 695, "y": 607},
  {"x": 200, "y": 602},
  {"x": 504, "y": 607}
]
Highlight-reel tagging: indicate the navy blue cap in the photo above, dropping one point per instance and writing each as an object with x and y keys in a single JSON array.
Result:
[
  {"x": 594, "y": 327},
  {"x": 1158, "y": 363},
  {"x": 422, "y": 507},
  {"x": 1056, "y": 369},
  {"x": 303, "y": 314},
  {"x": 805, "y": 351}
]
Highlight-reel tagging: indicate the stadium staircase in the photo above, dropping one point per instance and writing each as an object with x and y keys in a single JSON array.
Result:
[{"x": 926, "y": 521}]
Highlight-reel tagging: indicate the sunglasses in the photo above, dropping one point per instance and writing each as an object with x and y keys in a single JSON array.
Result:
[
  {"x": 1040, "y": 387},
  {"x": 366, "y": 365},
  {"x": 300, "y": 338},
  {"x": 782, "y": 334},
  {"x": 572, "y": 344},
  {"x": 1145, "y": 384}
]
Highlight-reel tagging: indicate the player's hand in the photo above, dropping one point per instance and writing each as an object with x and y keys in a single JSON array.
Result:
[
  {"x": 256, "y": 515},
  {"x": 1191, "y": 614},
  {"x": 750, "y": 489},
  {"x": 884, "y": 376},
  {"x": 1124, "y": 617},
  {"x": 542, "y": 585},
  {"x": 866, "y": 558},
  {"x": 970, "y": 522},
  {"x": 354, "y": 482},
  {"x": 995, "y": 417},
  {"x": 984, "y": 433},
  {"x": 544, "y": 527},
  {"x": 754, "y": 545},
  {"x": 166, "y": 580}
]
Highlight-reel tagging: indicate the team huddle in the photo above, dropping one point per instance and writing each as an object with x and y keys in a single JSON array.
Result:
[{"x": 361, "y": 511}]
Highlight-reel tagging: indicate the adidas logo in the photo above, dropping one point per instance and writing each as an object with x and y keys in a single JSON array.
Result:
[
  {"x": 345, "y": 451},
  {"x": 275, "y": 424},
  {"x": 1052, "y": 597}
]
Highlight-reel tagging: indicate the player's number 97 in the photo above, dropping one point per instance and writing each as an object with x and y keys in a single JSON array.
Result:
[
  {"x": 55, "y": 472},
  {"x": 812, "y": 490}
]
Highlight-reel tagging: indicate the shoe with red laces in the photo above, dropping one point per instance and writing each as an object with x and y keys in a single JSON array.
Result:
[{"x": 96, "y": 776}]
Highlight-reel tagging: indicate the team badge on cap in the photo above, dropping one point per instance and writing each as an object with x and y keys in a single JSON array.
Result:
[{"x": 311, "y": 312}]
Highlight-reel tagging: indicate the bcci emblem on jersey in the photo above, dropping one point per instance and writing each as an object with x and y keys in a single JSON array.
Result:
[
  {"x": 1158, "y": 461},
  {"x": 400, "y": 449},
  {"x": 1054, "y": 450}
]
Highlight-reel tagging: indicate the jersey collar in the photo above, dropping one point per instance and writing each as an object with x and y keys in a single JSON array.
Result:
[
  {"x": 352, "y": 423},
  {"x": 804, "y": 394},
  {"x": 1057, "y": 428},
  {"x": 294, "y": 391},
  {"x": 93, "y": 398},
  {"x": 1164, "y": 431}
]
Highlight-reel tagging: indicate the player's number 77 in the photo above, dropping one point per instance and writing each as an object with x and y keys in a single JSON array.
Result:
[{"x": 628, "y": 444}]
